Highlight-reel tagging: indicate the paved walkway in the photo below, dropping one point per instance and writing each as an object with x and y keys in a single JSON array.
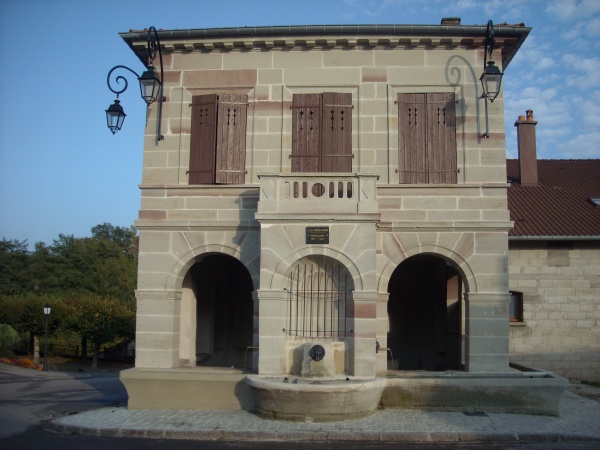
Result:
[{"x": 579, "y": 420}]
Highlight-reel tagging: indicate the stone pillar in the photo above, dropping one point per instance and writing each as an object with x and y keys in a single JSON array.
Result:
[
  {"x": 272, "y": 357},
  {"x": 157, "y": 329},
  {"x": 383, "y": 326},
  {"x": 364, "y": 325},
  {"x": 487, "y": 332}
]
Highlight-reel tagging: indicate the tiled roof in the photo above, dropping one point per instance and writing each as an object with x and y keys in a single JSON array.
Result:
[{"x": 559, "y": 206}]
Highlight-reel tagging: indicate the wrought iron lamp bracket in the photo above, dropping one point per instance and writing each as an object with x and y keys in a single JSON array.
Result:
[
  {"x": 489, "y": 70},
  {"x": 153, "y": 46}
]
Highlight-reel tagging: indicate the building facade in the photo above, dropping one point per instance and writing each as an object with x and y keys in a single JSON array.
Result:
[{"x": 328, "y": 186}]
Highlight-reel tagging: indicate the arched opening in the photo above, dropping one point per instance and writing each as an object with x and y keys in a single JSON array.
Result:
[
  {"x": 424, "y": 312},
  {"x": 217, "y": 313},
  {"x": 319, "y": 298}
]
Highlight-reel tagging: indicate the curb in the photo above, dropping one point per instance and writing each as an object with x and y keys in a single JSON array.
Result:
[
  {"x": 228, "y": 435},
  {"x": 375, "y": 436}
]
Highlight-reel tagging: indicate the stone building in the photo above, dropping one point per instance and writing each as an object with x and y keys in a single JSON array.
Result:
[
  {"x": 324, "y": 194},
  {"x": 554, "y": 260}
]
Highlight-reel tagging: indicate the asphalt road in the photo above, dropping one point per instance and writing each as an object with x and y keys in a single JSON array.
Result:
[{"x": 28, "y": 402}]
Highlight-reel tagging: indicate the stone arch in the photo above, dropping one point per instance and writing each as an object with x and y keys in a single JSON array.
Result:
[
  {"x": 174, "y": 281},
  {"x": 425, "y": 314},
  {"x": 445, "y": 253},
  {"x": 216, "y": 312},
  {"x": 278, "y": 279},
  {"x": 319, "y": 297}
]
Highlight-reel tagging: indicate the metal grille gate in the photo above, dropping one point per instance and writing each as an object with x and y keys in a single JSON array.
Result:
[{"x": 318, "y": 295}]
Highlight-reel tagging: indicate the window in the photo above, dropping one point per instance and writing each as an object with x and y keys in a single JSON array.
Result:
[
  {"x": 515, "y": 308},
  {"x": 218, "y": 139},
  {"x": 322, "y": 132},
  {"x": 427, "y": 138}
]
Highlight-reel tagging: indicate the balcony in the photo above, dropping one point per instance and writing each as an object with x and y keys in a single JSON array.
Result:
[{"x": 317, "y": 193}]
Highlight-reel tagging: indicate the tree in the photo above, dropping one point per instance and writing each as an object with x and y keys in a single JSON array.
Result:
[
  {"x": 104, "y": 264},
  {"x": 101, "y": 320},
  {"x": 9, "y": 338},
  {"x": 13, "y": 266},
  {"x": 25, "y": 313},
  {"x": 42, "y": 276}
]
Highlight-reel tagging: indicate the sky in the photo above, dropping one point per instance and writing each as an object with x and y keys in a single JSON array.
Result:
[{"x": 63, "y": 172}]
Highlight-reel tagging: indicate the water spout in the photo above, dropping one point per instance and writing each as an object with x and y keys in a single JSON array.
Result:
[{"x": 385, "y": 349}]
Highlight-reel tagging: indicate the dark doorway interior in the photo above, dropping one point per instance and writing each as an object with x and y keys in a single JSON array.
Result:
[
  {"x": 424, "y": 314},
  {"x": 224, "y": 312}
]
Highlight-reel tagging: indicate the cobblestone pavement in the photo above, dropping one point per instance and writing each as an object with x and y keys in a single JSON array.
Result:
[{"x": 579, "y": 420}]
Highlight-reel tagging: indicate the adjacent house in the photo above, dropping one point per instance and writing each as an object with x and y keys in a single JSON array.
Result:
[
  {"x": 554, "y": 260},
  {"x": 328, "y": 202}
]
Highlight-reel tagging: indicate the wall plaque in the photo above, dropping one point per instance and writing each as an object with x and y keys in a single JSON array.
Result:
[{"x": 317, "y": 235}]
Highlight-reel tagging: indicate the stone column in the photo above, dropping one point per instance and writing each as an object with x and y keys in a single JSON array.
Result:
[
  {"x": 383, "y": 326},
  {"x": 272, "y": 358},
  {"x": 157, "y": 329},
  {"x": 487, "y": 332},
  {"x": 364, "y": 324}
]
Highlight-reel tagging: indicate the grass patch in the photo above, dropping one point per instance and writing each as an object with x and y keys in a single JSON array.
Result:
[{"x": 591, "y": 383}]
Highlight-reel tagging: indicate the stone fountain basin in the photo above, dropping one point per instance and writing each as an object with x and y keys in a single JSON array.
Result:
[{"x": 315, "y": 399}]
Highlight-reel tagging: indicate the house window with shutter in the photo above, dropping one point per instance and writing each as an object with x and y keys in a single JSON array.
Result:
[
  {"x": 322, "y": 132},
  {"x": 218, "y": 139},
  {"x": 427, "y": 138}
]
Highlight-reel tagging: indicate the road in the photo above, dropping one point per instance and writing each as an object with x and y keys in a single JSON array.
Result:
[{"x": 27, "y": 399}]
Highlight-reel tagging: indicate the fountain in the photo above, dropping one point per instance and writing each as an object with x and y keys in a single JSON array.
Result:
[
  {"x": 315, "y": 391},
  {"x": 318, "y": 394}
]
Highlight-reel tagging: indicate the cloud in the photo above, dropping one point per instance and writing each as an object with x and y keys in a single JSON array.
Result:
[
  {"x": 507, "y": 9},
  {"x": 593, "y": 27},
  {"x": 588, "y": 68},
  {"x": 568, "y": 10},
  {"x": 582, "y": 146}
]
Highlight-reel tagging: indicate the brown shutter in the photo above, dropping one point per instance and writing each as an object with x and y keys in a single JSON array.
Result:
[
  {"x": 230, "y": 164},
  {"x": 306, "y": 136},
  {"x": 336, "y": 139},
  {"x": 441, "y": 137},
  {"x": 412, "y": 142},
  {"x": 203, "y": 139}
]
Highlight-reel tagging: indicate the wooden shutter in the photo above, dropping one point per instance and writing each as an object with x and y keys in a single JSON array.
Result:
[
  {"x": 306, "y": 133},
  {"x": 336, "y": 140},
  {"x": 203, "y": 139},
  {"x": 412, "y": 141},
  {"x": 230, "y": 164},
  {"x": 441, "y": 137},
  {"x": 218, "y": 139},
  {"x": 427, "y": 138}
]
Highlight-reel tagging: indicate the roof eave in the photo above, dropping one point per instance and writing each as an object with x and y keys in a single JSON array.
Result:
[
  {"x": 463, "y": 31},
  {"x": 556, "y": 238}
]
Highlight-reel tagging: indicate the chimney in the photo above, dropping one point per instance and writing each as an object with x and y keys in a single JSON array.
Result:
[
  {"x": 451, "y": 21},
  {"x": 527, "y": 149}
]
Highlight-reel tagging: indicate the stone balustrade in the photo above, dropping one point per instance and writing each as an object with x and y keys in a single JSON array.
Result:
[{"x": 333, "y": 193}]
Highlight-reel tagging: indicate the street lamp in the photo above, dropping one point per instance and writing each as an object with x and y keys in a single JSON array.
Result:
[
  {"x": 491, "y": 78},
  {"x": 46, "y": 315},
  {"x": 151, "y": 87}
]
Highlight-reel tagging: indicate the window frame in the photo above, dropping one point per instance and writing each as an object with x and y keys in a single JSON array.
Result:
[{"x": 515, "y": 296}]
